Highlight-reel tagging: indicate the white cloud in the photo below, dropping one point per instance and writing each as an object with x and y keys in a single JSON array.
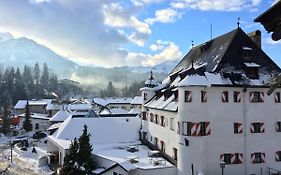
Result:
[
  {"x": 269, "y": 41},
  {"x": 216, "y": 5},
  {"x": 165, "y": 16},
  {"x": 169, "y": 52},
  {"x": 156, "y": 47}
]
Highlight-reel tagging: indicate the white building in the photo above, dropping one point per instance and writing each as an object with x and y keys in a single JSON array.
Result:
[{"x": 213, "y": 108}]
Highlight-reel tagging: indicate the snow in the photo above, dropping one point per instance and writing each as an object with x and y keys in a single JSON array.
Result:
[
  {"x": 114, "y": 111},
  {"x": 22, "y": 103},
  {"x": 247, "y": 48},
  {"x": 103, "y": 130},
  {"x": 54, "y": 126},
  {"x": 134, "y": 111},
  {"x": 137, "y": 100},
  {"x": 119, "y": 154},
  {"x": 60, "y": 116},
  {"x": 169, "y": 104},
  {"x": 36, "y": 116},
  {"x": 252, "y": 65}
]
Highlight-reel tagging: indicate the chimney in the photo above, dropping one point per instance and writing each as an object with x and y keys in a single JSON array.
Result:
[{"x": 256, "y": 37}]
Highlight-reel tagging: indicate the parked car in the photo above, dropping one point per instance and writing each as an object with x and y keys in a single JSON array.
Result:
[{"x": 39, "y": 135}]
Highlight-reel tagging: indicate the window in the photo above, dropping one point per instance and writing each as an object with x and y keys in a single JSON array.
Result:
[
  {"x": 145, "y": 96},
  {"x": 144, "y": 116},
  {"x": 278, "y": 126},
  {"x": 156, "y": 141},
  {"x": 237, "y": 159},
  {"x": 238, "y": 128},
  {"x": 162, "y": 121},
  {"x": 203, "y": 130},
  {"x": 186, "y": 128},
  {"x": 277, "y": 98},
  {"x": 203, "y": 96},
  {"x": 151, "y": 117},
  {"x": 162, "y": 146},
  {"x": 236, "y": 97},
  {"x": 258, "y": 157},
  {"x": 156, "y": 119},
  {"x": 256, "y": 97},
  {"x": 172, "y": 124},
  {"x": 224, "y": 97},
  {"x": 257, "y": 127},
  {"x": 175, "y": 153},
  {"x": 278, "y": 156},
  {"x": 36, "y": 126},
  {"x": 114, "y": 173},
  {"x": 187, "y": 96},
  {"x": 176, "y": 94},
  {"x": 179, "y": 128},
  {"x": 227, "y": 158}
]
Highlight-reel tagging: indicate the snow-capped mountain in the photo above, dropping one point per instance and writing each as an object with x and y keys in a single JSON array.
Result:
[{"x": 18, "y": 52}]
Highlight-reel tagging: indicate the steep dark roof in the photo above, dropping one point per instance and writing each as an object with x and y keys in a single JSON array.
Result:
[{"x": 224, "y": 52}]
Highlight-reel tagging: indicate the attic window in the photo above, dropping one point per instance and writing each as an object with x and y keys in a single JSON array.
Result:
[
  {"x": 247, "y": 53},
  {"x": 204, "y": 47}
]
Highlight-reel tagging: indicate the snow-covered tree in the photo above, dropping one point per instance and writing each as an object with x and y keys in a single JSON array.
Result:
[
  {"x": 85, "y": 160},
  {"x": 70, "y": 160}
]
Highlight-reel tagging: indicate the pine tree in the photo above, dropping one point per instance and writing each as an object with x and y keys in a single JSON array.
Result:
[
  {"x": 36, "y": 74},
  {"x": 27, "y": 125},
  {"x": 85, "y": 158},
  {"x": 19, "y": 90},
  {"x": 54, "y": 83},
  {"x": 111, "y": 92},
  {"x": 45, "y": 77},
  {"x": 28, "y": 81},
  {"x": 6, "y": 121},
  {"x": 70, "y": 160}
]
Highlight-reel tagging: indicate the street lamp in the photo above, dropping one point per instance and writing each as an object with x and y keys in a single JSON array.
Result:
[{"x": 222, "y": 166}]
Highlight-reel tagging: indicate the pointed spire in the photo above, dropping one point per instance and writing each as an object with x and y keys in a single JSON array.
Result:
[
  {"x": 238, "y": 22},
  {"x": 151, "y": 75},
  {"x": 192, "y": 64}
]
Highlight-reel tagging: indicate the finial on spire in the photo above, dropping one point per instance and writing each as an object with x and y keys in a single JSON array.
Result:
[
  {"x": 192, "y": 43},
  {"x": 238, "y": 22},
  {"x": 151, "y": 75}
]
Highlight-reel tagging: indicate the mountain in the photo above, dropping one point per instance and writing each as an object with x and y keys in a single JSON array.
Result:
[{"x": 18, "y": 52}]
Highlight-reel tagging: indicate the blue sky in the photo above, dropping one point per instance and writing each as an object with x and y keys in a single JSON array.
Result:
[{"x": 130, "y": 32}]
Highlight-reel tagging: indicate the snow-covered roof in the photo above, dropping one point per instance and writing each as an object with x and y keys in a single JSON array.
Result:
[
  {"x": 134, "y": 111},
  {"x": 165, "y": 104},
  {"x": 114, "y": 111},
  {"x": 125, "y": 100},
  {"x": 54, "y": 126},
  {"x": 102, "y": 130},
  {"x": 137, "y": 100},
  {"x": 100, "y": 101},
  {"x": 119, "y": 153},
  {"x": 79, "y": 106},
  {"x": 22, "y": 103},
  {"x": 60, "y": 116},
  {"x": 36, "y": 116},
  {"x": 53, "y": 106}
]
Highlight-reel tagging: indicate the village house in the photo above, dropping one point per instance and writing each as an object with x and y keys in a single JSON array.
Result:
[{"x": 213, "y": 110}]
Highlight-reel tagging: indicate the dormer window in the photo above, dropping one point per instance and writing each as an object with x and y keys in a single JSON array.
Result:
[
  {"x": 247, "y": 54},
  {"x": 252, "y": 70}
]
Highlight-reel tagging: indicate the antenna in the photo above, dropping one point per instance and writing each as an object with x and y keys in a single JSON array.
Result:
[
  {"x": 238, "y": 22},
  {"x": 211, "y": 31}
]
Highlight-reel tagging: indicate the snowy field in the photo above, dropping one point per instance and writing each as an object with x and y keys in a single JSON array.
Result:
[{"x": 24, "y": 162}]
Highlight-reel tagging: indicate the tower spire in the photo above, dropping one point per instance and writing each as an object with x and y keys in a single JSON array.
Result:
[
  {"x": 238, "y": 22},
  {"x": 151, "y": 75}
]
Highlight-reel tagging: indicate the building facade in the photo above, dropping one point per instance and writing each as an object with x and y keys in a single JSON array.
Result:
[{"x": 213, "y": 108}]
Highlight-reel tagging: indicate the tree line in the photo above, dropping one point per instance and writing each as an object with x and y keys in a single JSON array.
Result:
[{"x": 33, "y": 83}]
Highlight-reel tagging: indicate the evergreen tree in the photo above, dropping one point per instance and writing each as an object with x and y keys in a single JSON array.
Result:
[
  {"x": 70, "y": 160},
  {"x": 19, "y": 90},
  {"x": 85, "y": 158},
  {"x": 111, "y": 92},
  {"x": 6, "y": 120},
  {"x": 45, "y": 77},
  {"x": 54, "y": 83},
  {"x": 27, "y": 125},
  {"x": 28, "y": 81},
  {"x": 36, "y": 74}
]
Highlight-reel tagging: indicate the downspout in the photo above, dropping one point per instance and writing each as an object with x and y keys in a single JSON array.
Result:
[{"x": 245, "y": 129}]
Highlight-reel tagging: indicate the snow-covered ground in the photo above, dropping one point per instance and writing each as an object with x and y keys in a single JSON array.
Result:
[{"x": 24, "y": 160}]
